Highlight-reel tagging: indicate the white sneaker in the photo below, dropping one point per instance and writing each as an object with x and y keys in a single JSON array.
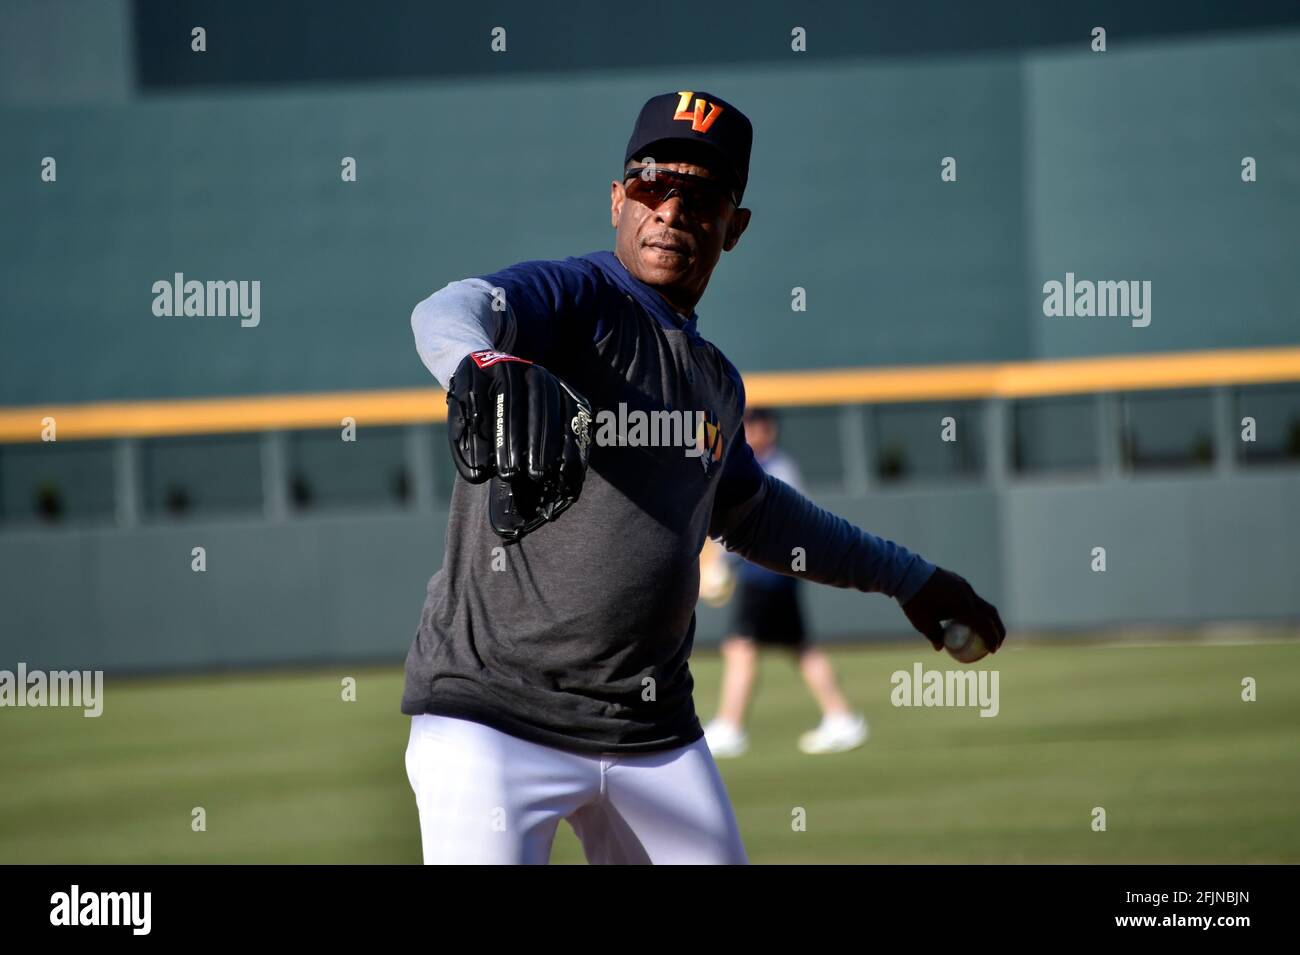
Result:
[
  {"x": 836, "y": 734},
  {"x": 725, "y": 739}
]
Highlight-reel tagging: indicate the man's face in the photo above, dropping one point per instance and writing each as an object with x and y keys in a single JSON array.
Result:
[{"x": 673, "y": 247}]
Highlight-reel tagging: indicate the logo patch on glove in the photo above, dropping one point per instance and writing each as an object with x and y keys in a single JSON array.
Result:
[{"x": 485, "y": 359}]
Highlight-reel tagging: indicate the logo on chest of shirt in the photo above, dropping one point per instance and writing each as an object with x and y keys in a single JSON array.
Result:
[{"x": 708, "y": 441}]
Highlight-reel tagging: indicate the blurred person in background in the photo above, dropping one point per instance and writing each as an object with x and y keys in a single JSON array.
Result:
[{"x": 768, "y": 613}]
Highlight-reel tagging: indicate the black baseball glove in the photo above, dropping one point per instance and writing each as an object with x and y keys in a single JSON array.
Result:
[
  {"x": 514, "y": 423},
  {"x": 946, "y": 596}
]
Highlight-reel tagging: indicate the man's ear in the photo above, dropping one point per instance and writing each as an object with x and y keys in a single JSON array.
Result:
[
  {"x": 616, "y": 199},
  {"x": 735, "y": 229}
]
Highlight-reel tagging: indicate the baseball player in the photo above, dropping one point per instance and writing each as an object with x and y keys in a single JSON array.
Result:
[
  {"x": 548, "y": 678},
  {"x": 768, "y": 614}
]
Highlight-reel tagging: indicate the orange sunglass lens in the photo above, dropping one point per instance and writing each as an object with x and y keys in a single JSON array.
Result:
[
  {"x": 648, "y": 190},
  {"x": 653, "y": 191}
]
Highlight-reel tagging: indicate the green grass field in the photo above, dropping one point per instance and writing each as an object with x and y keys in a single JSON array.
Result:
[{"x": 287, "y": 772}]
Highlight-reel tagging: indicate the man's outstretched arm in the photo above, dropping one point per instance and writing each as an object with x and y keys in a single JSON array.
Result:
[
  {"x": 453, "y": 322},
  {"x": 510, "y": 420},
  {"x": 521, "y": 310},
  {"x": 765, "y": 520}
]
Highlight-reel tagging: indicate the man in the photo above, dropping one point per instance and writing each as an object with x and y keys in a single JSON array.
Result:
[
  {"x": 548, "y": 679},
  {"x": 768, "y": 614}
]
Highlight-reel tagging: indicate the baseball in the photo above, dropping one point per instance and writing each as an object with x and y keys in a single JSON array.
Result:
[
  {"x": 963, "y": 644},
  {"x": 717, "y": 582}
]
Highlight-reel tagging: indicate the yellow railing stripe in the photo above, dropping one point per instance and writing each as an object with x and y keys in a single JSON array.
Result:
[
  {"x": 1026, "y": 379},
  {"x": 118, "y": 419}
]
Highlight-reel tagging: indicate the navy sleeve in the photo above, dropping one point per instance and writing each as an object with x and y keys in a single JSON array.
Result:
[
  {"x": 764, "y": 520},
  {"x": 741, "y": 479},
  {"x": 549, "y": 302},
  {"x": 742, "y": 475}
]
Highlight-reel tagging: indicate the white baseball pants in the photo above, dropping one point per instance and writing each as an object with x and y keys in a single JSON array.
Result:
[{"x": 486, "y": 797}]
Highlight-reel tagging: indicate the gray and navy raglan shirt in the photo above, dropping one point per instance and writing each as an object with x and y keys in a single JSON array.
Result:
[{"x": 582, "y": 641}]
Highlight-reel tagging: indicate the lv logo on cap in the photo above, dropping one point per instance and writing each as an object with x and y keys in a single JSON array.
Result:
[{"x": 700, "y": 123}]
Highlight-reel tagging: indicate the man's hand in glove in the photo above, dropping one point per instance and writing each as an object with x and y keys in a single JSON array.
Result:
[
  {"x": 512, "y": 422},
  {"x": 946, "y": 596}
]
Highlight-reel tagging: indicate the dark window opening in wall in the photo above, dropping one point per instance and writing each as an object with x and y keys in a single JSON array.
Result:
[
  {"x": 1054, "y": 435},
  {"x": 811, "y": 437},
  {"x": 201, "y": 476},
  {"x": 57, "y": 482},
  {"x": 919, "y": 442},
  {"x": 1167, "y": 430},
  {"x": 1274, "y": 411},
  {"x": 328, "y": 473}
]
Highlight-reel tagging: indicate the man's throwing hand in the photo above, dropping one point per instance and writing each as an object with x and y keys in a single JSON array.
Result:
[{"x": 946, "y": 596}]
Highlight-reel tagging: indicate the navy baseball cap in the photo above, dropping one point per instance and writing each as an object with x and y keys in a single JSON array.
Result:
[{"x": 691, "y": 126}]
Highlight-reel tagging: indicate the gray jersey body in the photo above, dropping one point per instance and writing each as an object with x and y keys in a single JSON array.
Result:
[{"x": 579, "y": 635}]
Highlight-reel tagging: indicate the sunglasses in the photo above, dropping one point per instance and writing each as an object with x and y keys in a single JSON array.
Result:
[{"x": 707, "y": 197}]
